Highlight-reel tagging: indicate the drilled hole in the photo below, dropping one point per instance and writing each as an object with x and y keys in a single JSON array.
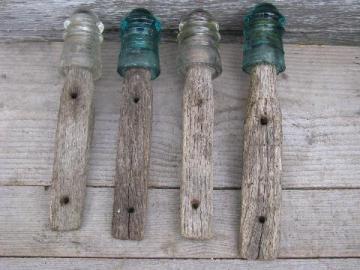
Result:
[
  {"x": 64, "y": 200},
  {"x": 131, "y": 210},
  {"x": 263, "y": 120},
  {"x": 136, "y": 99},
  {"x": 73, "y": 95},
  {"x": 262, "y": 219},
  {"x": 195, "y": 204}
]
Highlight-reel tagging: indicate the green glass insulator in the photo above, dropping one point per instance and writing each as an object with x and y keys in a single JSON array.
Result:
[
  {"x": 263, "y": 31},
  {"x": 140, "y": 37}
]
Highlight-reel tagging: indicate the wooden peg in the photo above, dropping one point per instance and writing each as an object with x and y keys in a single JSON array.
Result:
[
  {"x": 261, "y": 181},
  {"x": 75, "y": 120},
  {"x": 197, "y": 159},
  {"x": 132, "y": 163},
  {"x": 199, "y": 61},
  {"x": 138, "y": 64},
  {"x": 261, "y": 186}
]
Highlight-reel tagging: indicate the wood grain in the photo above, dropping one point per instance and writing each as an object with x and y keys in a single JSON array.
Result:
[
  {"x": 197, "y": 159},
  {"x": 261, "y": 181},
  {"x": 132, "y": 163},
  {"x": 321, "y": 147},
  {"x": 37, "y": 20},
  {"x": 73, "y": 138},
  {"x": 309, "y": 219},
  {"x": 179, "y": 264}
]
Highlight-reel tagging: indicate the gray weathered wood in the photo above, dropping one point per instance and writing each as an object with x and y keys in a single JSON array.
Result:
[
  {"x": 261, "y": 185},
  {"x": 73, "y": 137},
  {"x": 179, "y": 264},
  {"x": 132, "y": 163},
  {"x": 308, "y": 21},
  {"x": 315, "y": 223},
  {"x": 321, "y": 122},
  {"x": 197, "y": 158}
]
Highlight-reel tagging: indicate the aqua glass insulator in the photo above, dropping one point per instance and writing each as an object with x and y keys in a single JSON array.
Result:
[
  {"x": 140, "y": 37},
  {"x": 82, "y": 42},
  {"x": 198, "y": 41},
  {"x": 263, "y": 31}
]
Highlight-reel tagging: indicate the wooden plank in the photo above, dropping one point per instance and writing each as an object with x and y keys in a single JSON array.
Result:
[
  {"x": 321, "y": 145},
  {"x": 132, "y": 162},
  {"x": 261, "y": 181},
  {"x": 179, "y": 264},
  {"x": 315, "y": 223},
  {"x": 196, "y": 186},
  {"x": 73, "y": 139},
  {"x": 308, "y": 20}
]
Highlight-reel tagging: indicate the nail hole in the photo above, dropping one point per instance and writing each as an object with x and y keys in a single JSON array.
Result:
[
  {"x": 195, "y": 204},
  {"x": 131, "y": 210},
  {"x": 64, "y": 200},
  {"x": 136, "y": 99},
  {"x": 73, "y": 95},
  {"x": 199, "y": 102},
  {"x": 262, "y": 219},
  {"x": 263, "y": 120}
]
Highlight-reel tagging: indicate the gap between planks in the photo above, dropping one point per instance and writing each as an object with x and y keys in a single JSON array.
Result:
[
  {"x": 46, "y": 187},
  {"x": 284, "y": 258}
]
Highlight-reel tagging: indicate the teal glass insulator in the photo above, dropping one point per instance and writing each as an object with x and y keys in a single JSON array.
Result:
[
  {"x": 140, "y": 37},
  {"x": 263, "y": 31}
]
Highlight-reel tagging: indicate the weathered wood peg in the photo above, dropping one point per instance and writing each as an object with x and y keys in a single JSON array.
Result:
[
  {"x": 199, "y": 61},
  {"x": 138, "y": 64},
  {"x": 81, "y": 65},
  {"x": 261, "y": 182}
]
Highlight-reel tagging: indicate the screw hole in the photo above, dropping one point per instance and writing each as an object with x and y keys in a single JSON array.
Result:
[
  {"x": 136, "y": 99},
  {"x": 263, "y": 120},
  {"x": 73, "y": 95},
  {"x": 195, "y": 204},
  {"x": 262, "y": 219},
  {"x": 131, "y": 210},
  {"x": 64, "y": 200}
]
